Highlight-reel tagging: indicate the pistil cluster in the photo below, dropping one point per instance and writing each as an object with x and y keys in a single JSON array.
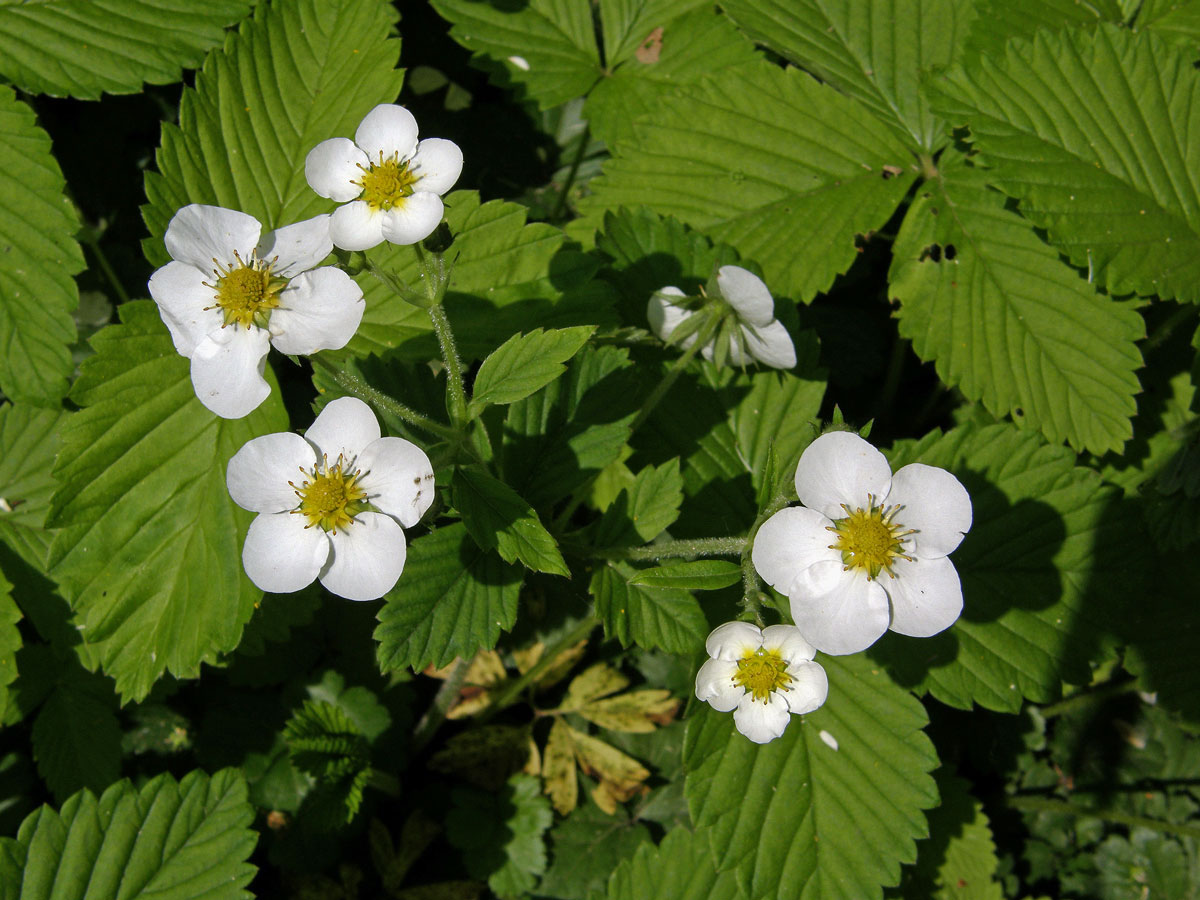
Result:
[
  {"x": 386, "y": 184},
  {"x": 247, "y": 292},
  {"x": 331, "y": 496},
  {"x": 870, "y": 539}
]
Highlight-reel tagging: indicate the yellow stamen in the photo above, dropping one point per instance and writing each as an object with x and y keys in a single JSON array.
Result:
[
  {"x": 870, "y": 539},
  {"x": 762, "y": 671},
  {"x": 246, "y": 292},
  {"x": 386, "y": 184},
  {"x": 330, "y": 496}
]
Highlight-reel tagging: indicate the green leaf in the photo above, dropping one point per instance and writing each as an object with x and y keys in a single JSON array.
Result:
[
  {"x": 643, "y": 511},
  {"x": 502, "y": 835},
  {"x": 554, "y": 39},
  {"x": 497, "y": 518},
  {"x": 1000, "y": 20},
  {"x": 874, "y": 51},
  {"x": 1007, "y": 322},
  {"x": 370, "y": 717},
  {"x": 452, "y": 600},
  {"x": 81, "y": 48},
  {"x": 786, "y": 170},
  {"x": 701, "y": 575},
  {"x": 38, "y": 256},
  {"x": 294, "y": 75},
  {"x": 585, "y": 849},
  {"x": 149, "y": 548},
  {"x": 169, "y": 840},
  {"x": 10, "y": 642},
  {"x": 829, "y": 810},
  {"x": 958, "y": 861},
  {"x": 326, "y": 743},
  {"x": 681, "y": 867},
  {"x": 28, "y": 445},
  {"x": 648, "y": 616},
  {"x": 1092, "y": 133},
  {"x": 1048, "y": 544},
  {"x": 525, "y": 363},
  {"x": 76, "y": 736},
  {"x": 658, "y": 47}
]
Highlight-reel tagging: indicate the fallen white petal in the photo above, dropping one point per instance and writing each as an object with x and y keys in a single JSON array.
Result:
[
  {"x": 258, "y": 474},
  {"x": 318, "y": 310},
  {"x": 281, "y": 555},
  {"x": 840, "y": 467},
  {"x": 367, "y": 558}
]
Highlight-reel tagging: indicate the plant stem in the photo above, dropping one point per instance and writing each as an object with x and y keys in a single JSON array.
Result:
[
  {"x": 750, "y": 584},
  {"x": 560, "y": 204},
  {"x": 660, "y": 390},
  {"x": 382, "y": 401},
  {"x": 513, "y": 688},
  {"x": 442, "y": 701},
  {"x": 1165, "y": 328},
  {"x": 456, "y": 394},
  {"x": 891, "y": 380},
  {"x": 723, "y": 546},
  {"x": 89, "y": 238},
  {"x": 1086, "y": 697},
  {"x": 1041, "y": 804}
]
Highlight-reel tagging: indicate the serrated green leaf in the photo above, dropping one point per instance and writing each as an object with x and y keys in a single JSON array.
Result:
[
  {"x": 360, "y": 704},
  {"x": 324, "y": 741},
  {"x": 586, "y": 848},
  {"x": 497, "y": 517},
  {"x": 452, "y": 600},
  {"x": 647, "y": 616},
  {"x": 38, "y": 256},
  {"x": 681, "y": 867},
  {"x": 148, "y": 551},
  {"x": 1000, "y": 20},
  {"x": 1175, "y": 21},
  {"x": 643, "y": 511},
  {"x": 701, "y": 575},
  {"x": 786, "y": 170},
  {"x": 296, "y": 74},
  {"x": 525, "y": 363},
  {"x": 658, "y": 47},
  {"x": 76, "y": 736},
  {"x": 169, "y": 840},
  {"x": 1047, "y": 545},
  {"x": 808, "y": 817},
  {"x": 958, "y": 860},
  {"x": 502, "y": 834},
  {"x": 1007, "y": 322},
  {"x": 28, "y": 445},
  {"x": 874, "y": 51},
  {"x": 1092, "y": 133},
  {"x": 81, "y": 48},
  {"x": 10, "y": 642}
]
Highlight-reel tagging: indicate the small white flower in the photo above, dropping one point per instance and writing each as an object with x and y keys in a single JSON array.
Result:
[
  {"x": 390, "y": 185},
  {"x": 231, "y": 292},
  {"x": 330, "y": 503},
  {"x": 760, "y": 337},
  {"x": 764, "y": 676},
  {"x": 860, "y": 523}
]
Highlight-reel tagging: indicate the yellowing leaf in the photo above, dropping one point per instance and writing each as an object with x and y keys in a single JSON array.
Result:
[
  {"x": 637, "y": 711},
  {"x": 620, "y": 776},
  {"x": 528, "y": 658},
  {"x": 597, "y": 681},
  {"x": 558, "y": 768}
]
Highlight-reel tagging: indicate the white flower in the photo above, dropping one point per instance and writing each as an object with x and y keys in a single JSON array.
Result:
[
  {"x": 760, "y": 336},
  {"x": 764, "y": 676},
  {"x": 330, "y": 503},
  {"x": 390, "y": 185},
  {"x": 231, "y": 292},
  {"x": 868, "y": 550}
]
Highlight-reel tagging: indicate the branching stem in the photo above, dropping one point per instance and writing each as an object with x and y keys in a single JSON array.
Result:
[{"x": 382, "y": 401}]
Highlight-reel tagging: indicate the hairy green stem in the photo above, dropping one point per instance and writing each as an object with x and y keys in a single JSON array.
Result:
[
  {"x": 456, "y": 394},
  {"x": 513, "y": 689},
  {"x": 382, "y": 401},
  {"x": 1087, "y": 697},
  {"x": 685, "y": 549},
  {"x": 1042, "y": 804},
  {"x": 443, "y": 700}
]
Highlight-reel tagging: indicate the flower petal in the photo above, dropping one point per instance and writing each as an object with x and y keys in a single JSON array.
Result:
[
  {"x": 198, "y": 234},
  {"x": 788, "y": 642},
  {"x": 413, "y": 220},
  {"x": 747, "y": 294},
  {"x": 297, "y": 248},
  {"x": 771, "y": 345},
  {"x": 345, "y": 427},
  {"x": 926, "y": 596},
  {"x": 227, "y": 370},
  {"x": 355, "y": 226},
  {"x": 733, "y": 641},
  {"x": 762, "y": 721},
  {"x": 385, "y": 130},
  {"x": 933, "y": 502},
  {"x": 332, "y": 167},
  {"x": 665, "y": 316},
  {"x": 715, "y": 685},
  {"x": 281, "y": 555},
  {"x": 788, "y": 543},
  {"x": 839, "y": 612},
  {"x": 437, "y": 165},
  {"x": 258, "y": 474},
  {"x": 318, "y": 310},
  {"x": 840, "y": 467},
  {"x": 399, "y": 480},
  {"x": 809, "y": 687},
  {"x": 367, "y": 558},
  {"x": 179, "y": 290}
]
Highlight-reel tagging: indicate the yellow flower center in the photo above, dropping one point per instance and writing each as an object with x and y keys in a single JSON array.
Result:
[
  {"x": 330, "y": 496},
  {"x": 762, "y": 671},
  {"x": 246, "y": 292},
  {"x": 385, "y": 184},
  {"x": 870, "y": 539}
]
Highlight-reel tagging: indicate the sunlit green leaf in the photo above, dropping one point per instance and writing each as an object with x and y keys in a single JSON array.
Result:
[
  {"x": 644, "y": 510},
  {"x": 585, "y": 849},
  {"x": 523, "y": 364},
  {"x": 663, "y": 617},
  {"x": 497, "y": 517},
  {"x": 28, "y": 444},
  {"x": 10, "y": 642}
]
